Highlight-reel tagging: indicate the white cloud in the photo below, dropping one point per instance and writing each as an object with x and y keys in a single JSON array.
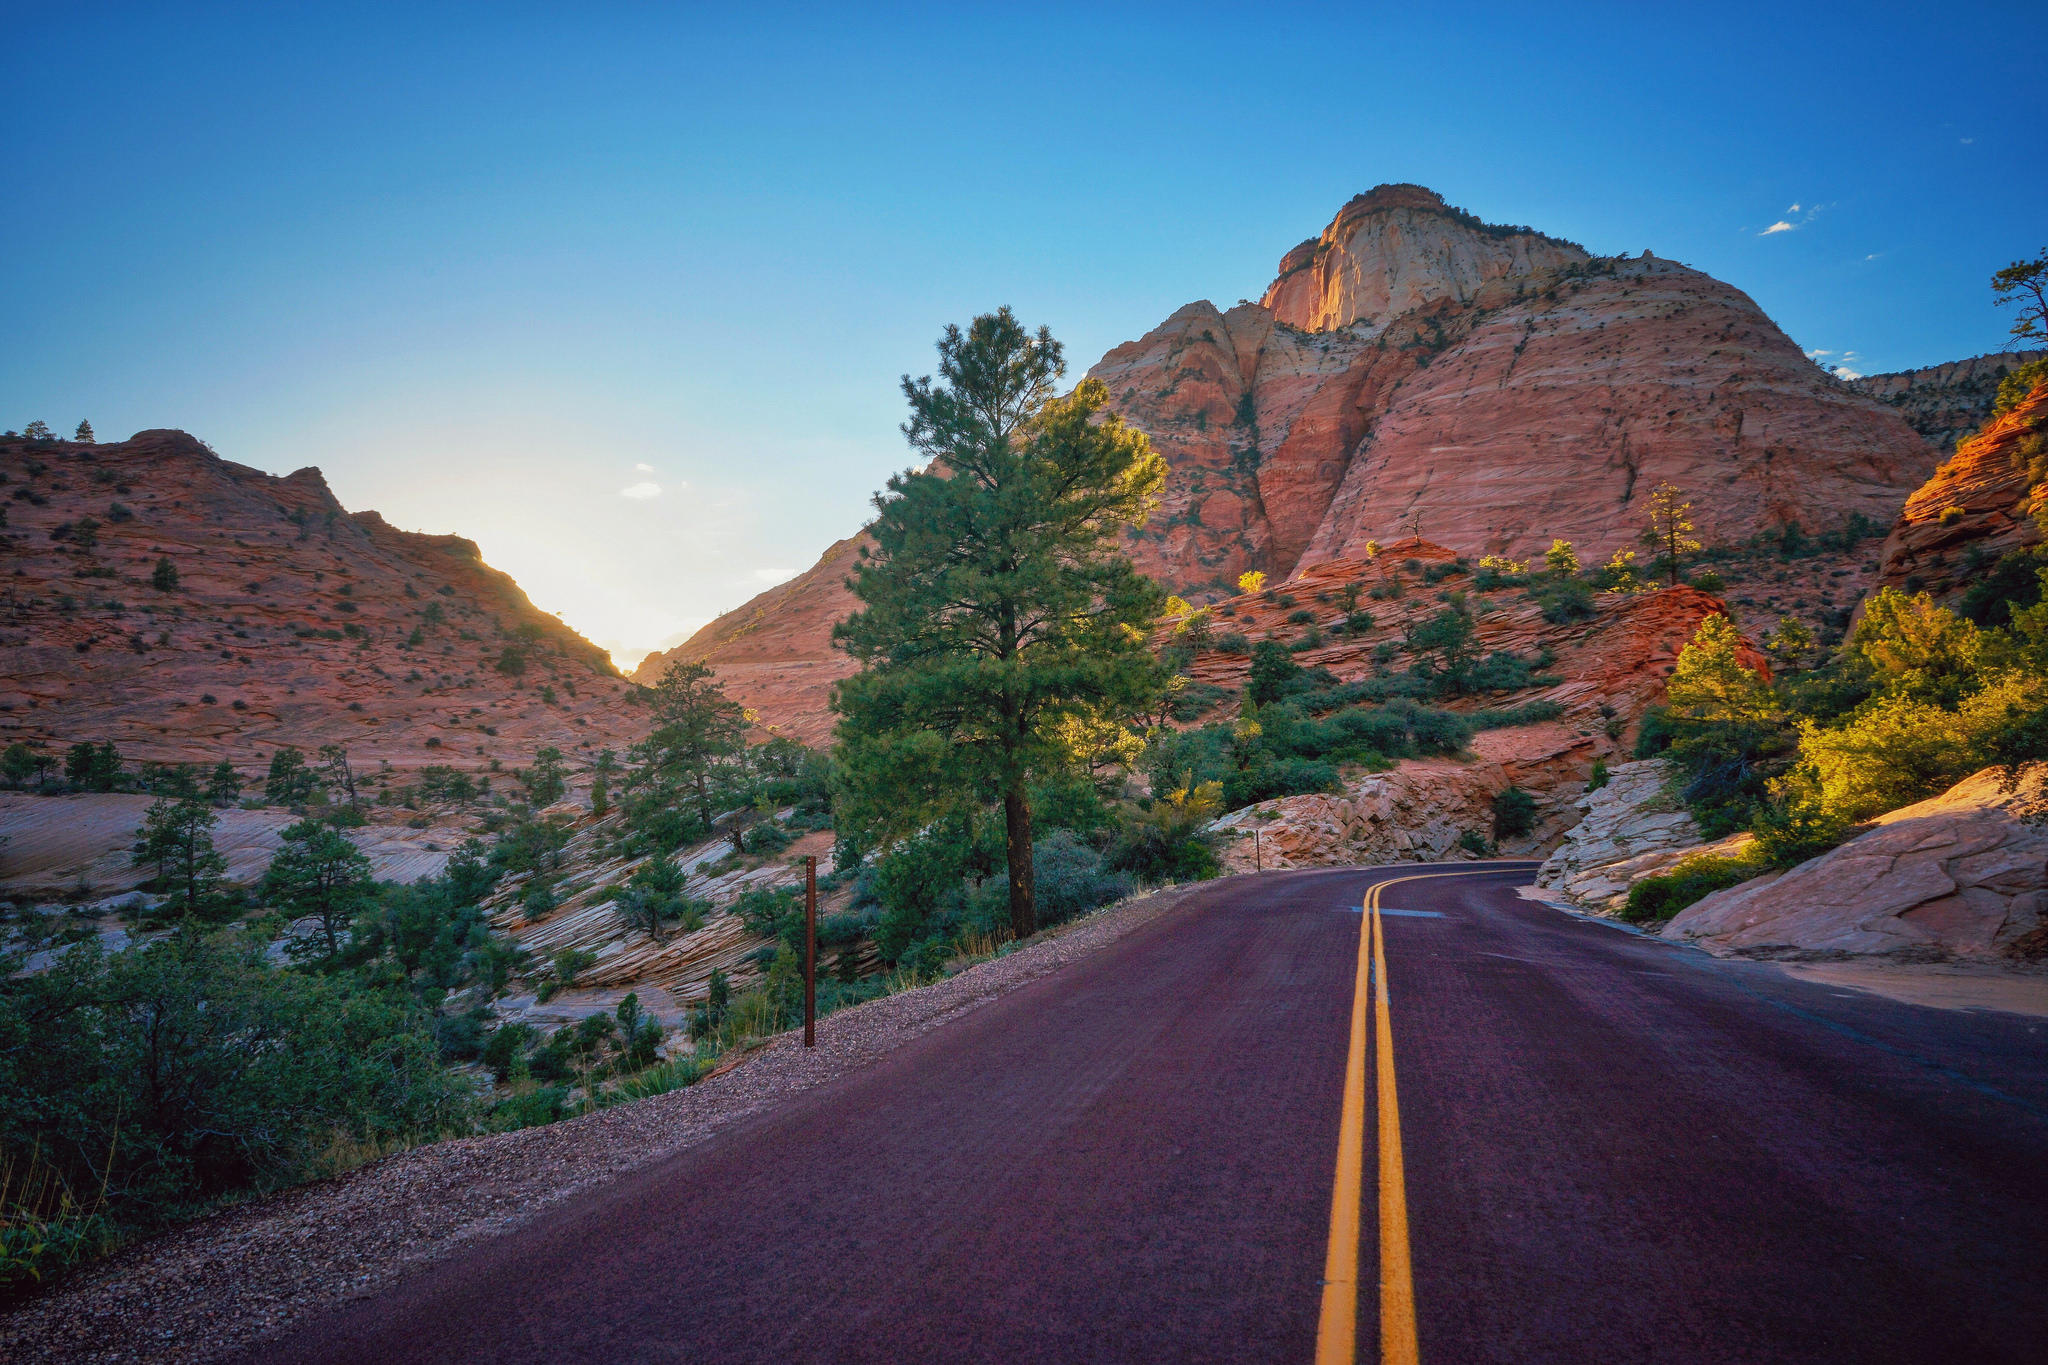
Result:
[
  {"x": 772, "y": 576},
  {"x": 1793, "y": 209},
  {"x": 644, "y": 468},
  {"x": 1844, "y": 372},
  {"x": 1780, "y": 226},
  {"x": 641, "y": 491},
  {"x": 1968, "y": 140}
]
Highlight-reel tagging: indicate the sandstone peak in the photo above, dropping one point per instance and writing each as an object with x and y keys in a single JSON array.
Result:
[{"x": 1397, "y": 248}]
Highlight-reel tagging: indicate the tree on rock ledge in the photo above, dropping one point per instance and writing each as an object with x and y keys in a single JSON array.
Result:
[{"x": 995, "y": 604}]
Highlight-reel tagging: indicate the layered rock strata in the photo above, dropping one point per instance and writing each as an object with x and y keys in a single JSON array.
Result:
[{"x": 1975, "y": 507}]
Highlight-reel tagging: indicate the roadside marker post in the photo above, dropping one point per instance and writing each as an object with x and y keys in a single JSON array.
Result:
[
  {"x": 1258, "y": 858},
  {"x": 811, "y": 950}
]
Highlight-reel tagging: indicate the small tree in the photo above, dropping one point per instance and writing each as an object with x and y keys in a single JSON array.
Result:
[
  {"x": 38, "y": 430},
  {"x": 1561, "y": 559},
  {"x": 1444, "y": 647},
  {"x": 1273, "y": 667},
  {"x": 340, "y": 776},
  {"x": 18, "y": 764},
  {"x": 224, "y": 787},
  {"x": 84, "y": 433},
  {"x": 547, "y": 779},
  {"x": 2024, "y": 284},
  {"x": 95, "y": 767},
  {"x": 177, "y": 837},
  {"x": 290, "y": 782},
  {"x": 696, "y": 728},
  {"x": 164, "y": 578},
  {"x": 85, "y": 534},
  {"x": 1250, "y": 582},
  {"x": 1514, "y": 814},
  {"x": 319, "y": 875},
  {"x": 1669, "y": 533}
]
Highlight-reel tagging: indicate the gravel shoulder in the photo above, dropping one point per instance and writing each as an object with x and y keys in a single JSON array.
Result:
[{"x": 206, "y": 1290}]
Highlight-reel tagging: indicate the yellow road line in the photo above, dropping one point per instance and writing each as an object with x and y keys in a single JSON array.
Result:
[
  {"x": 1337, "y": 1329},
  {"x": 1397, "y": 1278}
]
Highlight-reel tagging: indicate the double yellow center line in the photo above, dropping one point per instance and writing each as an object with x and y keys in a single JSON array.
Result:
[{"x": 1337, "y": 1332}]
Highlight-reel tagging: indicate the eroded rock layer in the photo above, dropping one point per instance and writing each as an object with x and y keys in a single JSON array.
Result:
[{"x": 1974, "y": 508}]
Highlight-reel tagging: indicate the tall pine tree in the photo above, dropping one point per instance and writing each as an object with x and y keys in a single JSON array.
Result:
[{"x": 995, "y": 603}]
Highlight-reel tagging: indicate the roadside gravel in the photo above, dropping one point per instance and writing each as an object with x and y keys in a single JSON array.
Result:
[{"x": 207, "y": 1290}]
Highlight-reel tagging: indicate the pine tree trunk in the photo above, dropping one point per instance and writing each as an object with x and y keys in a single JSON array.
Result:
[{"x": 1017, "y": 820}]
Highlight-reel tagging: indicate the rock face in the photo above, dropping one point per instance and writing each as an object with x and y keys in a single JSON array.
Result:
[
  {"x": 1973, "y": 509},
  {"x": 1416, "y": 372},
  {"x": 1628, "y": 829},
  {"x": 292, "y": 621},
  {"x": 1945, "y": 403},
  {"x": 59, "y": 845},
  {"x": 774, "y": 653},
  {"x": 1963, "y": 874},
  {"x": 1415, "y": 813},
  {"x": 1398, "y": 248}
]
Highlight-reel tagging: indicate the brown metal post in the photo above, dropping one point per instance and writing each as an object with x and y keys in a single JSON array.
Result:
[
  {"x": 1258, "y": 858},
  {"x": 811, "y": 951}
]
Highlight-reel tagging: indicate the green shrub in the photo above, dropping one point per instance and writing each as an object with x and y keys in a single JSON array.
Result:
[
  {"x": 1656, "y": 899},
  {"x": 1514, "y": 814}
]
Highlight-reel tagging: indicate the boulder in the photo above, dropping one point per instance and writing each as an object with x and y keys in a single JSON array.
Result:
[{"x": 1960, "y": 875}]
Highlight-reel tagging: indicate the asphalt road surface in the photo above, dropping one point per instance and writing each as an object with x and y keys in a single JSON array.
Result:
[{"x": 1609, "y": 1149}]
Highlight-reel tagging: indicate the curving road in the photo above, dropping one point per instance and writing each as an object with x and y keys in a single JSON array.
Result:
[{"x": 1179, "y": 1149}]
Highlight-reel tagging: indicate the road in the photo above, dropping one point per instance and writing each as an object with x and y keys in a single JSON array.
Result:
[{"x": 1610, "y": 1149}]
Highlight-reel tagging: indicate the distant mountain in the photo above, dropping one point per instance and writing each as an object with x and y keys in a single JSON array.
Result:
[
  {"x": 1945, "y": 403},
  {"x": 290, "y": 621},
  {"x": 1414, "y": 371}
]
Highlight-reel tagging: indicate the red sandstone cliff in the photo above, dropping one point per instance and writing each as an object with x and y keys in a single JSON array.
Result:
[
  {"x": 1974, "y": 508},
  {"x": 1414, "y": 371}
]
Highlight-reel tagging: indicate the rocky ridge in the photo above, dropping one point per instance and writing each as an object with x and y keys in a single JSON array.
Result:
[
  {"x": 290, "y": 621},
  {"x": 1945, "y": 403}
]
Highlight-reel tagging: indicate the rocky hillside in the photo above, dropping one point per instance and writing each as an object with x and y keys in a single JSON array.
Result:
[
  {"x": 1974, "y": 508},
  {"x": 187, "y": 608},
  {"x": 1945, "y": 403},
  {"x": 1414, "y": 371}
]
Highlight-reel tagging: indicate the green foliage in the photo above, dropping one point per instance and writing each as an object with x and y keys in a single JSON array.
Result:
[
  {"x": 1656, "y": 899},
  {"x": 2023, "y": 286},
  {"x": 177, "y": 839},
  {"x": 697, "y": 729},
  {"x": 177, "y": 1073},
  {"x": 547, "y": 779},
  {"x": 1514, "y": 814},
  {"x": 1272, "y": 669},
  {"x": 93, "y": 767},
  {"x": 224, "y": 784},
  {"x": 164, "y": 577},
  {"x": 290, "y": 781},
  {"x": 996, "y": 602},
  {"x": 2014, "y": 388},
  {"x": 321, "y": 876}
]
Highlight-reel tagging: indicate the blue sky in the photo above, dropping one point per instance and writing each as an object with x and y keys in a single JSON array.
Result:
[{"x": 494, "y": 268}]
